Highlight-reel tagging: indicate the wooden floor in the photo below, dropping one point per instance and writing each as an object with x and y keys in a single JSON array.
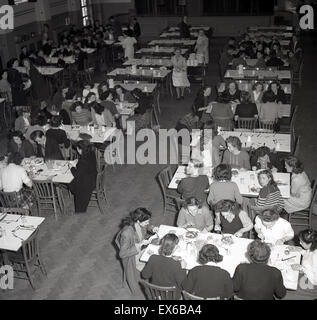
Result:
[{"x": 77, "y": 251}]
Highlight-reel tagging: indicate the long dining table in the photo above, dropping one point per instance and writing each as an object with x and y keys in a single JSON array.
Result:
[
  {"x": 259, "y": 74},
  {"x": 233, "y": 254}
]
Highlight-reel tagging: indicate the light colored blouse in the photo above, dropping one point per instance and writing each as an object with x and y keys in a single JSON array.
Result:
[
  {"x": 179, "y": 63},
  {"x": 309, "y": 264}
]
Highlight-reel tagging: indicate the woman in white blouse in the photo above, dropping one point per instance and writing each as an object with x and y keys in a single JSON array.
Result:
[
  {"x": 307, "y": 285},
  {"x": 257, "y": 93},
  {"x": 273, "y": 229},
  {"x": 301, "y": 192}
]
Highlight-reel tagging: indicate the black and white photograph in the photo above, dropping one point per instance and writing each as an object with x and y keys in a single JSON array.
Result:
[{"x": 158, "y": 150}]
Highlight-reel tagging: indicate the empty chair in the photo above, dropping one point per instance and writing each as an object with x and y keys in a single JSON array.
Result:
[
  {"x": 27, "y": 258},
  {"x": 189, "y": 296},
  {"x": 303, "y": 218},
  {"x": 154, "y": 292},
  {"x": 171, "y": 200},
  {"x": 47, "y": 196},
  {"x": 99, "y": 194},
  {"x": 266, "y": 127}
]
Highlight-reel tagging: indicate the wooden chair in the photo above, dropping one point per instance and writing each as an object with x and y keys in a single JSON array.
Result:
[
  {"x": 247, "y": 124},
  {"x": 171, "y": 201},
  {"x": 154, "y": 292},
  {"x": 19, "y": 211},
  {"x": 27, "y": 258},
  {"x": 266, "y": 127},
  {"x": 225, "y": 123},
  {"x": 189, "y": 296},
  {"x": 9, "y": 199},
  {"x": 99, "y": 194},
  {"x": 47, "y": 196},
  {"x": 304, "y": 217}
]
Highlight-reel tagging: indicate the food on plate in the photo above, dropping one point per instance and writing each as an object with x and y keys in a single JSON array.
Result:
[
  {"x": 156, "y": 241},
  {"x": 227, "y": 240},
  {"x": 191, "y": 234}
]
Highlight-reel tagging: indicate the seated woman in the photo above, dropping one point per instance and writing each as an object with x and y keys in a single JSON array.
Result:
[
  {"x": 263, "y": 159},
  {"x": 18, "y": 143},
  {"x": 308, "y": 266},
  {"x": 14, "y": 178},
  {"x": 301, "y": 192},
  {"x": 275, "y": 90},
  {"x": 246, "y": 109},
  {"x": 273, "y": 229},
  {"x": 270, "y": 195},
  {"x": 85, "y": 174},
  {"x": 269, "y": 109},
  {"x": 5, "y": 87},
  {"x": 274, "y": 61},
  {"x": 222, "y": 114},
  {"x": 223, "y": 188},
  {"x": 103, "y": 87},
  {"x": 232, "y": 93},
  {"x": 261, "y": 64},
  {"x": 257, "y": 92},
  {"x": 38, "y": 124},
  {"x": 131, "y": 238},
  {"x": 123, "y": 95},
  {"x": 23, "y": 122},
  {"x": 234, "y": 156},
  {"x": 209, "y": 281},
  {"x": 101, "y": 116},
  {"x": 231, "y": 219},
  {"x": 256, "y": 280},
  {"x": 194, "y": 185},
  {"x": 162, "y": 270},
  {"x": 195, "y": 215},
  {"x": 202, "y": 100},
  {"x": 80, "y": 115}
]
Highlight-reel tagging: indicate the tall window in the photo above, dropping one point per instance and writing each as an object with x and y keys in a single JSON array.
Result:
[{"x": 85, "y": 11}]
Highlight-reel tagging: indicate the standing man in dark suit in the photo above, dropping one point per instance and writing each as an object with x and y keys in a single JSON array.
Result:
[{"x": 184, "y": 28}]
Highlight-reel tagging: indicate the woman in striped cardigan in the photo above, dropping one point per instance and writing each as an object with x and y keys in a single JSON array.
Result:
[{"x": 270, "y": 195}]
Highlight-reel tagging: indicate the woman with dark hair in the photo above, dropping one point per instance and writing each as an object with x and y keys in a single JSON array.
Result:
[
  {"x": 223, "y": 188},
  {"x": 80, "y": 115},
  {"x": 202, "y": 100},
  {"x": 123, "y": 95},
  {"x": 103, "y": 87},
  {"x": 271, "y": 228},
  {"x": 131, "y": 239},
  {"x": 14, "y": 178},
  {"x": 301, "y": 191},
  {"x": 256, "y": 280},
  {"x": 276, "y": 91},
  {"x": 232, "y": 93},
  {"x": 18, "y": 143},
  {"x": 270, "y": 195},
  {"x": 246, "y": 109},
  {"x": 230, "y": 218},
  {"x": 101, "y": 116},
  {"x": 85, "y": 174},
  {"x": 55, "y": 136},
  {"x": 194, "y": 214},
  {"x": 5, "y": 87},
  {"x": 261, "y": 64},
  {"x": 209, "y": 281},
  {"x": 162, "y": 270},
  {"x": 263, "y": 159},
  {"x": 16, "y": 82},
  {"x": 106, "y": 100},
  {"x": 308, "y": 266},
  {"x": 234, "y": 156},
  {"x": 23, "y": 122},
  {"x": 257, "y": 92}
]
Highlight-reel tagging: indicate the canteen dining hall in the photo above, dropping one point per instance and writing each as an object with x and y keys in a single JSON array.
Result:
[{"x": 158, "y": 150}]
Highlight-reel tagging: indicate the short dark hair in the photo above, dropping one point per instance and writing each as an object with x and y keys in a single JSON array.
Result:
[
  {"x": 89, "y": 95},
  {"x": 140, "y": 214},
  {"x": 259, "y": 252},
  {"x": 76, "y": 104},
  {"x": 56, "y": 121},
  {"x": 245, "y": 97},
  {"x": 235, "y": 142},
  {"x": 104, "y": 96},
  {"x": 309, "y": 236},
  {"x": 295, "y": 164},
  {"x": 261, "y": 152},
  {"x": 168, "y": 244},
  {"x": 192, "y": 201},
  {"x": 17, "y": 134},
  {"x": 268, "y": 96},
  {"x": 99, "y": 109},
  {"x": 269, "y": 174},
  {"x": 15, "y": 158},
  {"x": 223, "y": 172},
  {"x": 85, "y": 146},
  {"x": 209, "y": 253},
  {"x": 269, "y": 215},
  {"x": 227, "y": 206},
  {"x": 36, "y": 134}
]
